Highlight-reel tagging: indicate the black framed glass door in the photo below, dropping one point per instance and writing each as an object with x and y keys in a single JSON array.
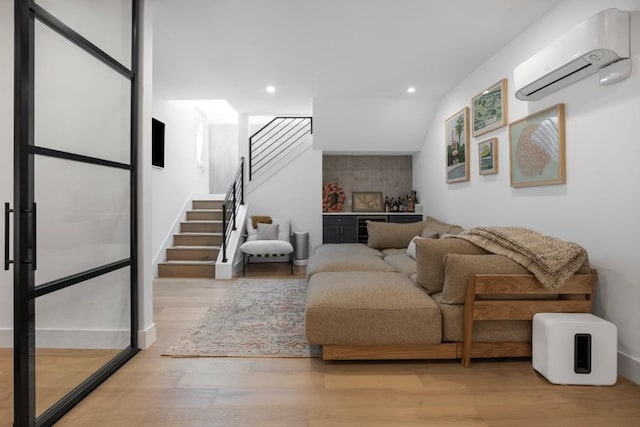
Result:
[{"x": 75, "y": 286}]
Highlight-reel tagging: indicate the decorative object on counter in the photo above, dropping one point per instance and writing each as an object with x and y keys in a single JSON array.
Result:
[
  {"x": 490, "y": 109},
  {"x": 456, "y": 131},
  {"x": 411, "y": 206},
  {"x": 488, "y": 156},
  {"x": 536, "y": 148},
  {"x": 367, "y": 201},
  {"x": 387, "y": 205},
  {"x": 332, "y": 197}
]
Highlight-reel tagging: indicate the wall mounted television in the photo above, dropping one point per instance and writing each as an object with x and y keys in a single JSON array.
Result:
[{"x": 157, "y": 143}]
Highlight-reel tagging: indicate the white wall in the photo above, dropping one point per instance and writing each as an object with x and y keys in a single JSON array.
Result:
[
  {"x": 599, "y": 204},
  {"x": 294, "y": 192},
  {"x": 181, "y": 176},
  {"x": 223, "y": 156},
  {"x": 370, "y": 125},
  {"x": 6, "y": 161}
]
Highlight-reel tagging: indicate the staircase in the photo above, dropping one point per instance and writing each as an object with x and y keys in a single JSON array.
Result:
[{"x": 195, "y": 249}]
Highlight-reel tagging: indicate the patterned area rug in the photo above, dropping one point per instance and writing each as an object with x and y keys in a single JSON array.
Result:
[{"x": 255, "y": 318}]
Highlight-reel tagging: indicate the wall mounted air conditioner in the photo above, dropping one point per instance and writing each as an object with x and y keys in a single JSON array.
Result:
[{"x": 584, "y": 50}]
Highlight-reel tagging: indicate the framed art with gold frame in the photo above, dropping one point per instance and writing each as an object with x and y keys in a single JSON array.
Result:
[
  {"x": 456, "y": 135},
  {"x": 537, "y": 148},
  {"x": 488, "y": 156},
  {"x": 367, "y": 201},
  {"x": 489, "y": 109}
]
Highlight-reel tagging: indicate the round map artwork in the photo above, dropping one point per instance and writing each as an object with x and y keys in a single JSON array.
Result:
[{"x": 536, "y": 147}]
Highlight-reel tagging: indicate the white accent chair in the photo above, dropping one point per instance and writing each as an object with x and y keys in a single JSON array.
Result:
[{"x": 273, "y": 247}]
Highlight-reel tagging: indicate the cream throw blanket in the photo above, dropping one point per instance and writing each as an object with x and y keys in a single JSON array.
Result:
[{"x": 551, "y": 260}]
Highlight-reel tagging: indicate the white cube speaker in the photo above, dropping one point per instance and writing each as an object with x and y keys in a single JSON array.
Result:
[{"x": 575, "y": 348}]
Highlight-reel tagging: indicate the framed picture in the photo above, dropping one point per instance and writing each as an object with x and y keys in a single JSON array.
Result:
[
  {"x": 488, "y": 156},
  {"x": 367, "y": 201},
  {"x": 456, "y": 134},
  {"x": 490, "y": 110},
  {"x": 537, "y": 148}
]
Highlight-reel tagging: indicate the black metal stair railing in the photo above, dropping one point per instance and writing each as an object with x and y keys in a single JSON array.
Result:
[
  {"x": 275, "y": 139},
  {"x": 232, "y": 202}
]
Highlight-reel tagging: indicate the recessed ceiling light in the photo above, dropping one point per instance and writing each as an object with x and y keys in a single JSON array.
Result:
[
  {"x": 271, "y": 89},
  {"x": 411, "y": 89}
]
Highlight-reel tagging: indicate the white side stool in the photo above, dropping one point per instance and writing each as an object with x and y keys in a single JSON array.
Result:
[{"x": 575, "y": 348}]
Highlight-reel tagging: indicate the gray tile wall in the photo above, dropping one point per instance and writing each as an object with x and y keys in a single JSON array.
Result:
[{"x": 392, "y": 175}]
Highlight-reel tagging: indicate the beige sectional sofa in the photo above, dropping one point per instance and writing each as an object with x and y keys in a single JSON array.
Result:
[{"x": 377, "y": 301}]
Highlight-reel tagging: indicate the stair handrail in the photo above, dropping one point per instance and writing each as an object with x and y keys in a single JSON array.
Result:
[
  {"x": 230, "y": 207},
  {"x": 269, "y": 150}
]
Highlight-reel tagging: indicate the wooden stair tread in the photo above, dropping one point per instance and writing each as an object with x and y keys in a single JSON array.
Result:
[
  {"x": 197, "y": 233},
  {"x": 197, "y": 244},
  {"x": 196, "y": 248},
  {"x": 187, "y": 262}
]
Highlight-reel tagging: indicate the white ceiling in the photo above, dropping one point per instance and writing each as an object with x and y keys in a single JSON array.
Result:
[{"x": 233, "y": 49}]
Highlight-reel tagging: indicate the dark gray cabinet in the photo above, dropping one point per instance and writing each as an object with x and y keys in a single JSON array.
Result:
[
  {"x": 339, "y": 229},
  {"x": 404, "y": 219},
  {"x": 353, "y": 228}
]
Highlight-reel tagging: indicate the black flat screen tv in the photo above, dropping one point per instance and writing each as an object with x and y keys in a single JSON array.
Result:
[{"x": 157, "y": 143}]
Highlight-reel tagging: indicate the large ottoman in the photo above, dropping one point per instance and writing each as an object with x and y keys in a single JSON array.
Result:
[{"x": 369, "y": 308}]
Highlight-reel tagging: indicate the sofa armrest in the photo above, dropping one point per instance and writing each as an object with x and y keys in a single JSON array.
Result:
[{"x": 526, "y": 285}]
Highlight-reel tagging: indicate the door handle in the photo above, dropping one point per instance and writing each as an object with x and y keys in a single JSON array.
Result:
[
  {"x": 34, "y": 238},
  {"x": 7, "y": 213}
]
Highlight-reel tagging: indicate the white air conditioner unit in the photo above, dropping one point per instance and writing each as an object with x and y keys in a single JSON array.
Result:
[{"x": 587, "y": 48}]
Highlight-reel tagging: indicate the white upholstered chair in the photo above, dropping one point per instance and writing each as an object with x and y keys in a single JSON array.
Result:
[{"x": 268, "y": 241}]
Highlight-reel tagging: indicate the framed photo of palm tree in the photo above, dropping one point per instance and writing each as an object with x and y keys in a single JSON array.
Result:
[{"x": 456, "y": 135}]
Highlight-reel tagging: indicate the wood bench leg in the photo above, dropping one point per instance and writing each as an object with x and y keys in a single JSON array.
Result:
[{"x": 467, "y": 332}]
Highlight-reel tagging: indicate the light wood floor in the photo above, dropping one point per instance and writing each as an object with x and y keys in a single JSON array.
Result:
[{"x": 159, "y": 391}]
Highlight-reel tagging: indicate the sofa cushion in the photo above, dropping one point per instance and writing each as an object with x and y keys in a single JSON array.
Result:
[
  {"x": 266, "y": 247},
  {"x": 459, "y": 268},
  {"x": 256, "y": 219},
  {"x": 369, "y": 308},
  {"x": 384, "y": 235},
  {"x": 284, "y": 228},
  {"x": 342, "y": 262},
  {"x": 403, "y": 263},
  {"x": 487, "y": 331},
  {"x": 434, "y": 225},
  {"x": 430, "y": 259},
  {"x": 411, "y": 249},
  {"x": 268, "y": 231},
  {"x": 346, "y": 249},
  {"x": 393, "y": 251}
]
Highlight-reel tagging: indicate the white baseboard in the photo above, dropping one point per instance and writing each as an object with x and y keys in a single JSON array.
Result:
[
  {"x": 83, "y": 338},
  {"x": 629, "y": 367},
  {"x": 146, "y": 337}
]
